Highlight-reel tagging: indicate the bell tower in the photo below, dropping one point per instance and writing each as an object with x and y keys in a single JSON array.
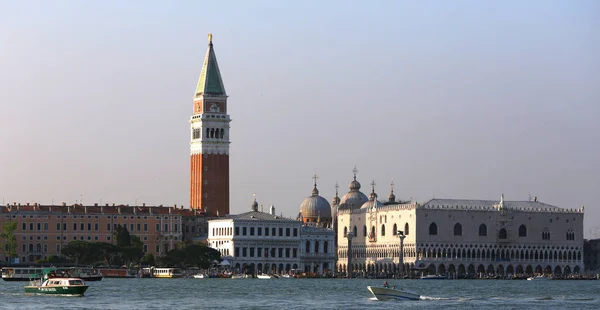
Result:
[{"x": 209, "y": 145}]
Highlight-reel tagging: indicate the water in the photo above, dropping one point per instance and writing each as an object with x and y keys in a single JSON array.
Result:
[{"x": 310, "y": 294}]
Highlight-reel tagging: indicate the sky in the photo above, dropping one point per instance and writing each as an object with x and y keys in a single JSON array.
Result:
[{"x": 449, "y": 99}]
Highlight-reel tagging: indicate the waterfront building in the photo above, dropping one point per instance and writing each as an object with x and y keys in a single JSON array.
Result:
[
  {"x": 591, "y": 253},
  {"x": 42, "y": 230},
  {"x": 209, "y": 145},
  {"x": 259, "y": 242},
  {"x": 461, "y": 238}
]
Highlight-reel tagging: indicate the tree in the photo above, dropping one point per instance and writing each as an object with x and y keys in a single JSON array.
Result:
[
  {"x": 148, "y": 259},
  {"x": 76, "y": 250},
  {"x": 122, "y": 236},
  {"x": 192, "y": 255},
  {"x": 10, "y": 240}
]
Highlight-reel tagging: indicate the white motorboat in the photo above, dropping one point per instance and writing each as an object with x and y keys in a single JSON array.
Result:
[
  {"x": 433, "y": 277},
  {"x": 540, "y": 277},
  {"x": 200, "y": 276},
  {"x": 264, "y": 276},
  {"x": 387, "y": 293}
]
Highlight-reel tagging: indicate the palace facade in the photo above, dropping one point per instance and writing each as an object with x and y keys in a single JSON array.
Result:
[{"x": 459, "y": 238}]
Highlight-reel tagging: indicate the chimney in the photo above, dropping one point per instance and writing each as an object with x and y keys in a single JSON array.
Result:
[
  {"x": 95, "y": 204},
  {"x": 113, "y": 204},
  {"x": 64, "y": 204},
  {"x": 151, "y": 210},
  {"x": 28, "y": 204},
  {"x": 171, "y": 210},
  {"x": 135, "y": 210},
  {"x": 119, "y": 210},
  {"x": 143, "y": 204},
  {"x": 102, "y": 210},
  {"x": 85, "y": 209},
  {"x": 68, "y": 209},
  {"x": 50, "y": 208}
]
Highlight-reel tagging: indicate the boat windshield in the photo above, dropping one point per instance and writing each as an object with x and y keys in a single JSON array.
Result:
[{"x": 75, "y": 282}]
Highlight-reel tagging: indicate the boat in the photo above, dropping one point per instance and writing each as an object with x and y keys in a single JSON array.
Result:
[
  {"x": 23, "y": 273},
  {"x": 200, "y": 276},
  {"x": 264, "y": 276},
  {"x": 154, "y": 272},
  {"x": 240, "y": 276},
  {"x": 433, "y": 277},
  {"x": 55, "y": 282},
  {"x": 387, "y": 293},
  {"x": 118, "y": 272},
  {"x": 286, "y": 276},
  {"x": 540, "y": 277}
]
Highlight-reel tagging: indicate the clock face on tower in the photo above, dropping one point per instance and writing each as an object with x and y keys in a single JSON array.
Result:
[{"x": 214, "y": 107}]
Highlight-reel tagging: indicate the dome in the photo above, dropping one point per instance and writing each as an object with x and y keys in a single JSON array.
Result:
[
  {"x": 353, "y": 200},
  {"x": 369, "y": 204},
  {"x": 315, "y": 206}
]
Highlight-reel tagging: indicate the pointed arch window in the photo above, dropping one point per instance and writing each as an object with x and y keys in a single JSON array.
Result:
[
  {"x": 457, "y": 229},
  {"x": 482, "y": 230},
  {"x": 365, "y": 230},
  {"x": 545, "y": 234},
  {"x": 570, "y": 235},
  {"x": 395, "y": 230},
  {"x": 522, "y": 231},
  {"x": 406, "y": 229},
  {"x": 433, "y": 229},
  {"x": 354, "y": 231},
  {"x": 502, "y": 234},
  {"x": 382, "y": 230},
  {"x": 345, "y": 231},
  {"x": 222, "y": 133}
]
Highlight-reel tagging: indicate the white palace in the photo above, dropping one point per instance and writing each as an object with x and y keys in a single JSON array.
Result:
[{"x": 458, "y": 238}]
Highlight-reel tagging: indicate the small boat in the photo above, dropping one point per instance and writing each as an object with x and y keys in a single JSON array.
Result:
[
  {"x": 433, "y": 277},
  {"x": 264, "y": 276},
  {"x": 286, "y": 276},
  {"x": 240, "y": 276},
  {"x": 51, "y": 283},
  {"x": 200, "y": 276},
  {"x": 540, "y": 277},
  {"x": 387, "y": 293}
]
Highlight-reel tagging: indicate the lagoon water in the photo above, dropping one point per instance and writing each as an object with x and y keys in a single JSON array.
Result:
[{"x": 310, "y": 294}]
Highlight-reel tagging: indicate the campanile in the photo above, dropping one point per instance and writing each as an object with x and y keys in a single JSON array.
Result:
[{"x": 209, "y": 145}]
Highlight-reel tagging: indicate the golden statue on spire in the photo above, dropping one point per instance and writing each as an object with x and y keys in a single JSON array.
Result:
[{"x": 210, "y": 37}]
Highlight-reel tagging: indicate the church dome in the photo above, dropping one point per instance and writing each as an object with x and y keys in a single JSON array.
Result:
[
  {"x": 369, "y": 204},
  {"x": 315, "y": 208}
]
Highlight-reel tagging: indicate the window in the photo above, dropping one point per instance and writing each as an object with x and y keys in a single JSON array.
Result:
[
  {"x": 433, "y": 229},
  {"x": 316, "y": 246},
  {"x": 139, "y": 226},
  {"x": 395, "y": 230},
  {"x": 522, "y": 231},
  {"x": 131, "y": 227},
  {"x": 295, "y": 232},
  {"x": 570, "y": 235},
  {"x": 74, "y": 226},
  {"x": 24, "y": 226},
  {"x": 30, "y": 226},
  {"x": 167, "y": 227},
  {"x": 325, "y": 246},
  {"x": 82, "y": 226},
  {"x": 382, "y": 230},
  {"x": 89, "y": 226},
  {"x": 108, "y": 226},
  {"x": 365, "y": 230},
  {"x": 58, "y": 226},
  {"x": 252, "y": 252},
  {"x": 260, "y": 231},
  {"x": 307, "y": 246},
  {"x": 237, "y": 232},
  {"x": 39, "y": 226},
  {"x": 252, "y": 232},
  {"x": 175, "y": 230},
  {"x": 406, "y": 229},
  {"x": 345, "y": 231},
  {"x": 259, "y": 252},
  {"x": 280, "y": 232},
  {"x": 295, "y": 252},
  {"x": 266, "y": 231},
  {"x": 458, "y": 229},
  {"x": 354, "y": 231},
  {"x": 244, "y": 252},
  {"x": 157, "y": 227},
  {"x": 157, "y": 248},
  {"x": 145, "y": 226},
  {"x": 545, "y": 234},
  {"x": 236, "y": 251},
  {"x": 502, "y": 234},
  {"x": 65, "y": 226},
  {"x": 244, "y": 232},
  {"x": 287, "y": 232},
  {"x": 482, "y": 230},
  {"x": 96, "y": 226},
  {"x": 274, "y": 231}
]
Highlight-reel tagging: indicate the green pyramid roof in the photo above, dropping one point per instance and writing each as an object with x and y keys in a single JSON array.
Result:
[{"x": 210, "y": 82}]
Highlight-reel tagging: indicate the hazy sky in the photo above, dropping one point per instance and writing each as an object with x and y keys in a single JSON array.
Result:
[{"x": 450, "y": 99}]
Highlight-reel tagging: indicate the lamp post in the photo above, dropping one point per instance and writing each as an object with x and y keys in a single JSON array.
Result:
[
  {"x": 401, "y": 254},
  {"x": 349, "y": 235}
]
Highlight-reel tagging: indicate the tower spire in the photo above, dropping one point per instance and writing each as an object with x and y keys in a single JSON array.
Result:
[{"x": 210, "y": 82}]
